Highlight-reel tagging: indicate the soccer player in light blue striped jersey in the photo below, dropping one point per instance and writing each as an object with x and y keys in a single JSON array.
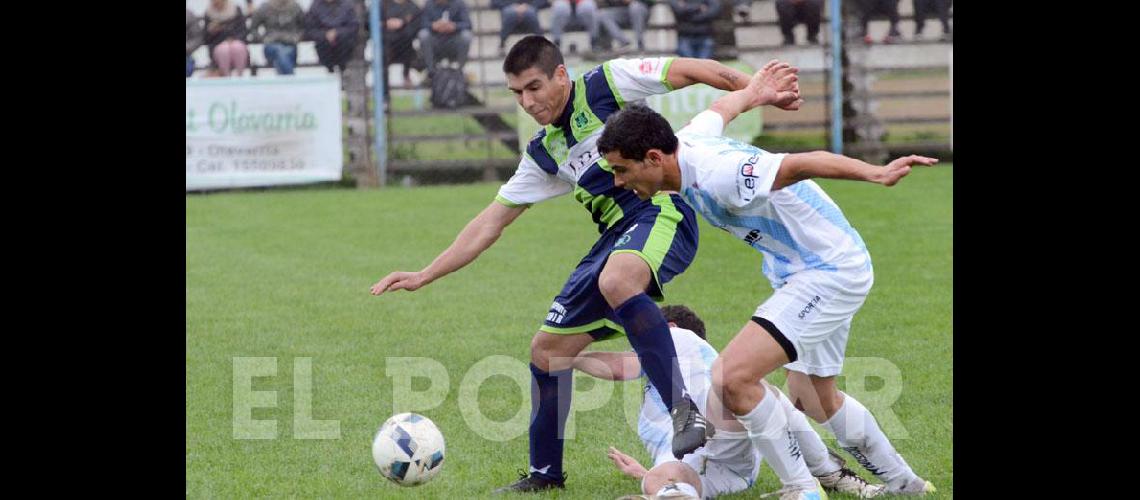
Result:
[{"x": 817, "y": 263}]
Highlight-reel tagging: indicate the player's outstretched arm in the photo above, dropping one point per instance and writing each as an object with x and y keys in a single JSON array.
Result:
[
  {"x": 609, "y": 365},
  {"x": 479, "y": 235},
  {"x": 687, "y": 71},
  {"x": 626, "y": 464},
  {"x": 775, "y": 83},
  {"x": 801, "y": 166}
]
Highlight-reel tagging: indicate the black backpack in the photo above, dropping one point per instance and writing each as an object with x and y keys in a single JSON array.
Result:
[{"x": 448, "y": 88}]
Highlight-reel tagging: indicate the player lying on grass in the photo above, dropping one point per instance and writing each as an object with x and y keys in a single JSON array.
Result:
[{"x": 729, "y": 462}]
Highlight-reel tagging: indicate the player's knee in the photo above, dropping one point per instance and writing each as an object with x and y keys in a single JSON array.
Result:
[
  {"x": 540, "y": 353},
  {"x": 718, "y": 375},
  {"x": 625, "y": 276},
  {"x": 614, "y": 287},
  {"x": 725, "y": 384}
]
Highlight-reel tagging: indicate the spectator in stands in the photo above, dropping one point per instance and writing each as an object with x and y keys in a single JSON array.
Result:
[
  {"x": 889, "y": 8},
  {"x": 584, "y": 11},
  {"x": 695, "y": 26},
  {"x": 518, "y": 16},
  {"x": 445, "y": 32},
  {"x": 634, "y": 13},
  {"x": 940, "y": 8},
  {"x": 333, "y": 26},
  {"x": 193, "y": 40},
  {"x": 401, "y": 23},
  {"x": 284, "y": 23},
  {"x": 743, "y": 7},
  {"x": 225, "y": 36},
  {"x": 793, "y": 12}
]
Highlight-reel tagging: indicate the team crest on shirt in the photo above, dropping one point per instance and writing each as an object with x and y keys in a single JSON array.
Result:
[{"x": 580, "y": 119}]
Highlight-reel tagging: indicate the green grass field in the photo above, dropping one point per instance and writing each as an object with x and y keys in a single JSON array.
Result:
[{"x": 285, "y": 274}]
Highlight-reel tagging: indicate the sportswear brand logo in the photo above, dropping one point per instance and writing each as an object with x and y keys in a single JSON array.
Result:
[
  {"x": 556, "y": 314},
  {"x": 753, "y": 237},
  {"x": 810, "y": 306},
  {"x": 793, "y": 445},
  {"x": 622, "y": 241},
  {"x": 862, "y": 459}
]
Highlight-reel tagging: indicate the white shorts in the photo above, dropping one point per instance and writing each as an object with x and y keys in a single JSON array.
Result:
[
  {"x": 812, "y": 312},
  {"x": 727, "y": 464}
]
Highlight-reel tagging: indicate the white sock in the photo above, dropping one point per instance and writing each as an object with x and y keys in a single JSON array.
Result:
[
  {"x": 858, "y": 432},
  {"x": 818, "y": 461},
  {"x": 767, "y": 427}
]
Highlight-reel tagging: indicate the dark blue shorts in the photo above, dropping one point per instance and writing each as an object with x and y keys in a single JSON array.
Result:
[{"x": 664, "y": 235}]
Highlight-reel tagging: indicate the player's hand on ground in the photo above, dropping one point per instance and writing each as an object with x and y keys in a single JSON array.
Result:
[
  {"x": 777, "y": 84},
  {"x": 399, "y": 280},
  {"x": 895, "y": 170},
  {"x": 627, "y": 464}
]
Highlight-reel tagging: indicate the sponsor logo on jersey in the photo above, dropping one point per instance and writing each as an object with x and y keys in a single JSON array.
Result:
[
  {"x": 746, "y": 187},
  {"x": 622, "y": 241},
  {"x": 584, "y": 160},
  {"x": 647, "y": 67}
]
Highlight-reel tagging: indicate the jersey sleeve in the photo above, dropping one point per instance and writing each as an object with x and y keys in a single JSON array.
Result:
[
  {"x": 746, "y": 180},
  {"x": 530, "y": 184},
  {"x": 705, "y": 123},
  {"x": 636, "y": 79}
]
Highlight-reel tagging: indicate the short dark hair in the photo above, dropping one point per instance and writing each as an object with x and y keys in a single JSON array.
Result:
[
  {"x": 684, "y": 318},
  {"x": 635, "y": 130},
  {"x": 533, "y": 51}
]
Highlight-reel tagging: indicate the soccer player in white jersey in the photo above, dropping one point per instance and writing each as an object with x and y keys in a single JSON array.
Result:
[
  {"x": 817, "y": 263},
  {"x": 729, "y": 462}
]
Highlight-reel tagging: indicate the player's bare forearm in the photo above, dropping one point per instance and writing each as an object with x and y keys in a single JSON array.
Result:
[
  {"x": 732, "y": 104},
  {"x": 479, "y": 234},
  {"x": 776, "y": 84},
  {"x": 823, "y": 164},
  {"x": 626, "y": 464},
  {"x": 609, "y": 365},
  {"x": 687, "y": 71}
]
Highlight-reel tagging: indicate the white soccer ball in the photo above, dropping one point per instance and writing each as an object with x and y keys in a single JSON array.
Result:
[{"x": 408, "y": 449}]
